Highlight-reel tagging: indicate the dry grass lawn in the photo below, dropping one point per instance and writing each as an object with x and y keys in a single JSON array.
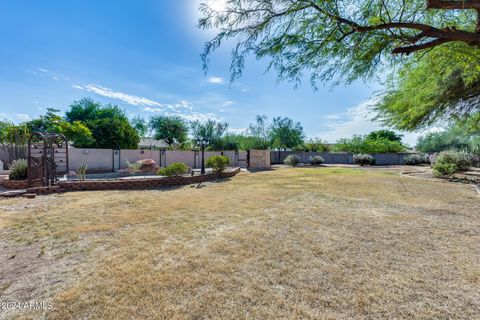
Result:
[{"x": 303, "y": 243}]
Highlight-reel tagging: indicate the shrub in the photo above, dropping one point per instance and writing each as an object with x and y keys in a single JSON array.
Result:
[
  {"x": 449, "y": 162},
  {"x": 19, "y": 170},
  {"x": 218, "y": 163},
  {"x": 292, "y": 160},
  {"x": 175, "y": 169},
  {"x": 444, "y": 169},
  {"x": 363, "y": 159},
  {"x": 316, "y": 160},
  {"x": 416, "y": 159}
]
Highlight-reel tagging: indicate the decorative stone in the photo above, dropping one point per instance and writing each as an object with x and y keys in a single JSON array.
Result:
[{"x": 148, "y": 166}]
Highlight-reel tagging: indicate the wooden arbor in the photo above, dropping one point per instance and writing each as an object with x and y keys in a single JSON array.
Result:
[{"x": 47, "y": 158}]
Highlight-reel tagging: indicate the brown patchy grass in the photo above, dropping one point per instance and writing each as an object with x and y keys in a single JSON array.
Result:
[{"x": 314, "y": 243}]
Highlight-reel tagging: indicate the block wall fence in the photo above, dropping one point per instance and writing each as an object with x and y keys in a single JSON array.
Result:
[
  {"x": 382, "y": 159},
  {"x": 107, "y": 160}
]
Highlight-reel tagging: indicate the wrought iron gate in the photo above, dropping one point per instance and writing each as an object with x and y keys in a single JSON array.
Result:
[{"x": 47, "y": 158}]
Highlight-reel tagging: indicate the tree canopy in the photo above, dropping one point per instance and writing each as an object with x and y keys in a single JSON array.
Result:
[
  {"x": 442, "y": 86},
  {"x": 171, "y": 129},
  {"x": 76, "y": 132},
  {"x": 211, "y": 130},
  {"x": 344, "y": 40},
  {"x": 385, "y": 134},
  {"x": 285, "y": 133},
  {"x": 109, "y": 125},
  {"x": 368, "y": 144},
  {"x": 453, "y": 137}
]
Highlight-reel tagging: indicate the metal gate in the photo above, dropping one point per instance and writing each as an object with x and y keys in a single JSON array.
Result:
[{"x": 47, "y": 158}]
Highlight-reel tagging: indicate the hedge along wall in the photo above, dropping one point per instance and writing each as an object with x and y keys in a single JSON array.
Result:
[{"x": 125, "y": 184}]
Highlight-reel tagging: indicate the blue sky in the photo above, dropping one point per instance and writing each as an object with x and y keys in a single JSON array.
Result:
[{"x": 145, "y": 57}]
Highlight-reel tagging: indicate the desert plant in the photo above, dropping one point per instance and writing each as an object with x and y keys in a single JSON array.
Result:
[
  {"x": 134, "y": 167},
  {"x": 292, "y": 160},
  {"x": 449, "y": 162},
  {"x": 82, "y": 171},
  {"x": 218, "y": 163},
  {"x": 19, "y": 170},
  {"x": 174, "y": 169},
  {"x": 363, "y": 159},
  {"x": 316, "y": 160},
  {"x": 416, "y": 159}
]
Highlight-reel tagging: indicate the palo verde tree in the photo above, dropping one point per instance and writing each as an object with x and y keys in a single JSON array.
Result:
[{"x": 344, "y": 40}]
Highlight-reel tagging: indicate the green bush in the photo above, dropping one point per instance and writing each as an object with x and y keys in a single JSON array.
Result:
[
  {"x": 175, "y": 169},
  {"x": 316, "y": 160},
  {"x": 292, "y": 160},
  {"x": 363, "y": 159},
  {"x": 416, "y": 159},
  {"x": 218, "y": 163},
  {"x": 444, "y": 169},
  {"x": 19, "y": 170},
  {"x": 449, "y": 162}
]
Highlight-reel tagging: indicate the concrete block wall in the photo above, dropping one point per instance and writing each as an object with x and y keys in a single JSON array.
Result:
[
  {"x": 133, "y": 156},
  {"x": 259, "y": 159},
  {"x": 96, "y": 159},
  {"x": 277, "y": 157}
]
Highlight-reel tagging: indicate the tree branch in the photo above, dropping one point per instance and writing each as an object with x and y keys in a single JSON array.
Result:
[{"x": 409, "y": 49}]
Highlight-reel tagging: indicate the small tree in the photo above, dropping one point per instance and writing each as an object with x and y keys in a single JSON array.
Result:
[
  {"x": 13, "y": 140},
  {"x": 260, "y": 130},
  {"x": 211, "y": 130},
  {"x": 140, "y": 125},
  {"x": 285, "y": 133},
  {"x": 385, "y": 134},
  {"x": 171, "y": 129}
]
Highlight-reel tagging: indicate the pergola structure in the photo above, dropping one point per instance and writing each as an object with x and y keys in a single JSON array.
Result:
[{"x": 47, "y": 158}]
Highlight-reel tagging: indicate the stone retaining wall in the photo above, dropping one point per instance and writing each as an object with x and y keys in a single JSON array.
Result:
[
  {"x": 14, "y": 184},
  {"x": 123, "y": 184}
]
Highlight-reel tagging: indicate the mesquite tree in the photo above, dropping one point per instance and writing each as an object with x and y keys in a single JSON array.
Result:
[{"x": 347, "y": 40}]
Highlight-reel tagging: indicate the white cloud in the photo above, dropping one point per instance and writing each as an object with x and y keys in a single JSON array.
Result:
[
  {"x": 42, "y": 70},
  {"x": 332, "y": 116},
  {"x": 357, "y": 120},
  {"x": 23, "y": 117},
  {"x": 183, "y": 108},
  {"x": 197, "y": 116},
  {"x": 238, "y": 130},
  {"x": 109, "y": 93},
  {"x": 215, "y": 80}
]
